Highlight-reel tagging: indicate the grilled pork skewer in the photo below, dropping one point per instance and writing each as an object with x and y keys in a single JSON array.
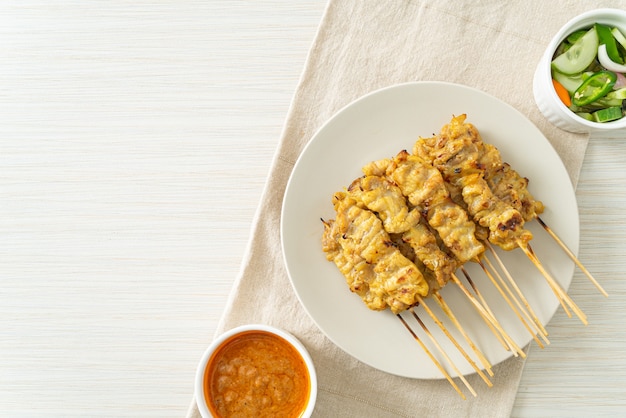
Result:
[
  {"x": 467, "y": 163},
  {"x": 358, "y": 243},
  {"x": 424, "y": 188},
  {"x": 509, "y": 186},
  {"x": 410, "y": 222}
]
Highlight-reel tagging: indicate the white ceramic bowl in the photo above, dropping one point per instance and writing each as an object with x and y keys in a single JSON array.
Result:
[
  {"x": 546, "y": 98},
  {"x": 201, "y": 399}
]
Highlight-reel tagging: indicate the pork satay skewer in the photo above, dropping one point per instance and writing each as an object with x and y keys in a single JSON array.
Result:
[
  {"x": 455, "y": 157},
  {"x": 456, "y": 195},
  {"x": 511, "y": 187},
  {"x": 431, "y": 356},
  {"x": 371, "y": 247},
  {"x": 530, "y": 208},
  {"x": 457, "y": 153},
  {"x": 385, "y": 277},
  {"x": 423, "y": 186},
  {"x": 378, "y": 194},
  {"x": 426, "y": 248},
  {"x": 505, "y": 223}
]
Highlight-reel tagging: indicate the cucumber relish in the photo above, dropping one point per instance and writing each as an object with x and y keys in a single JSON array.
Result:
[{"x": 589, "y": 65}]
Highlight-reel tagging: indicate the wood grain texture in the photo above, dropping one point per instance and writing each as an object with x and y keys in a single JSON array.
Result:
[
  {"x": 135, "y": 137},
  {"x": 582, "y": 373}
]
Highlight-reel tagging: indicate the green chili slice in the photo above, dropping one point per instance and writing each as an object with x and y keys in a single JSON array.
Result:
[{"x": 594, "y": 88}]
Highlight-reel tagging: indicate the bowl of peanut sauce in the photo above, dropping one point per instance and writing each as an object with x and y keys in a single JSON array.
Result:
[{"x": 256, "y": 371}]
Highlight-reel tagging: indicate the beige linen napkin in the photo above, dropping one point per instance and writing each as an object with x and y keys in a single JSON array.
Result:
[{"x": 363, "y": 46}]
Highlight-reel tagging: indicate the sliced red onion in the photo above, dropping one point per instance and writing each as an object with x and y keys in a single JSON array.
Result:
[{"x": 620, "y": 82}]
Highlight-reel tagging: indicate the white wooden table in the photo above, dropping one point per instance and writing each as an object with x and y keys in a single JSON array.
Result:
[{"x": 135, "y": 138}]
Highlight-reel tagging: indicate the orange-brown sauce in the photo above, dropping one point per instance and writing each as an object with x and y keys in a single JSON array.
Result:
[{"x": 256, "y": 374}]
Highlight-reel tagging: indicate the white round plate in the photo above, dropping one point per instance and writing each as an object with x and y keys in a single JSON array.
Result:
[{"x": 377, "y": 126}]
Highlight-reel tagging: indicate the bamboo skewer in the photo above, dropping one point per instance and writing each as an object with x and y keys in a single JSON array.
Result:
[
  {"x": 443, "y": 353},
  {"x": 532, "y": 319},
  {"x": 432, "y": 358},
  {"x": 560, "y": 293},
  {"x": 446, "y": 309},
  {"x": 510, "y": 303},
  {"x": 518, "y": 290},
  {"x": 451, "y": 338},
  {"x": 563, "y": 293},
  {"x": 485, "y": 305},
  {"x": 551, "y": 283},
  {"x": 572, "y": 256},
  {"x": 517, "y": 351}
]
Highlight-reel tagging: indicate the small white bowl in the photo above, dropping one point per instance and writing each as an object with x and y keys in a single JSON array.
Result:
[
  {"x": 546, "y": 98},
  {"x": 200, "y": 382}
]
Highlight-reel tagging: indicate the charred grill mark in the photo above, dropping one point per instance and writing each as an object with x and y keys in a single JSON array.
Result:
[{"x": 512, "y": 223}]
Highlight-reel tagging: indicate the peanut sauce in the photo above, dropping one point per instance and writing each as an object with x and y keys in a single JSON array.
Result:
[{"x": 256, "y": 374}]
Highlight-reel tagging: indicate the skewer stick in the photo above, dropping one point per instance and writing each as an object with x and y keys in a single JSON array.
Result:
[
  {"x": 517, "y": 351},
  {"x": 487, "y": 315},
  {"x": 432, "y": 358},
  {"x": 558, "y": 287},
  {"x": 487, "y": 308},
  {"x": 572, "y": 256},
  {"x": 524, "y": 312},
  {"x": 446, "y": 309},
  {"x": 451, "y": 338},
  {"x": 560, "y": 293},
  {"x": 531, "y": 322},
  {"x": 443, "y": 352},
  {"x": 517, "y": 289},
  {"x": 551, "y": 283},
  {"x": 511, "y": 305}
]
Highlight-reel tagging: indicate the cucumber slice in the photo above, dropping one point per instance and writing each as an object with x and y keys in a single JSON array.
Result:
[
  {"x": 587, "y": 116},
  {"x": 608, "y": 102},
  {"x": 570, "y": 82},
  {"x": 619, "y": 36},
  {"x": 608, "y": 114},
  {"x": 579, "y": 56},
  {"x": 617, "y": 94}
]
